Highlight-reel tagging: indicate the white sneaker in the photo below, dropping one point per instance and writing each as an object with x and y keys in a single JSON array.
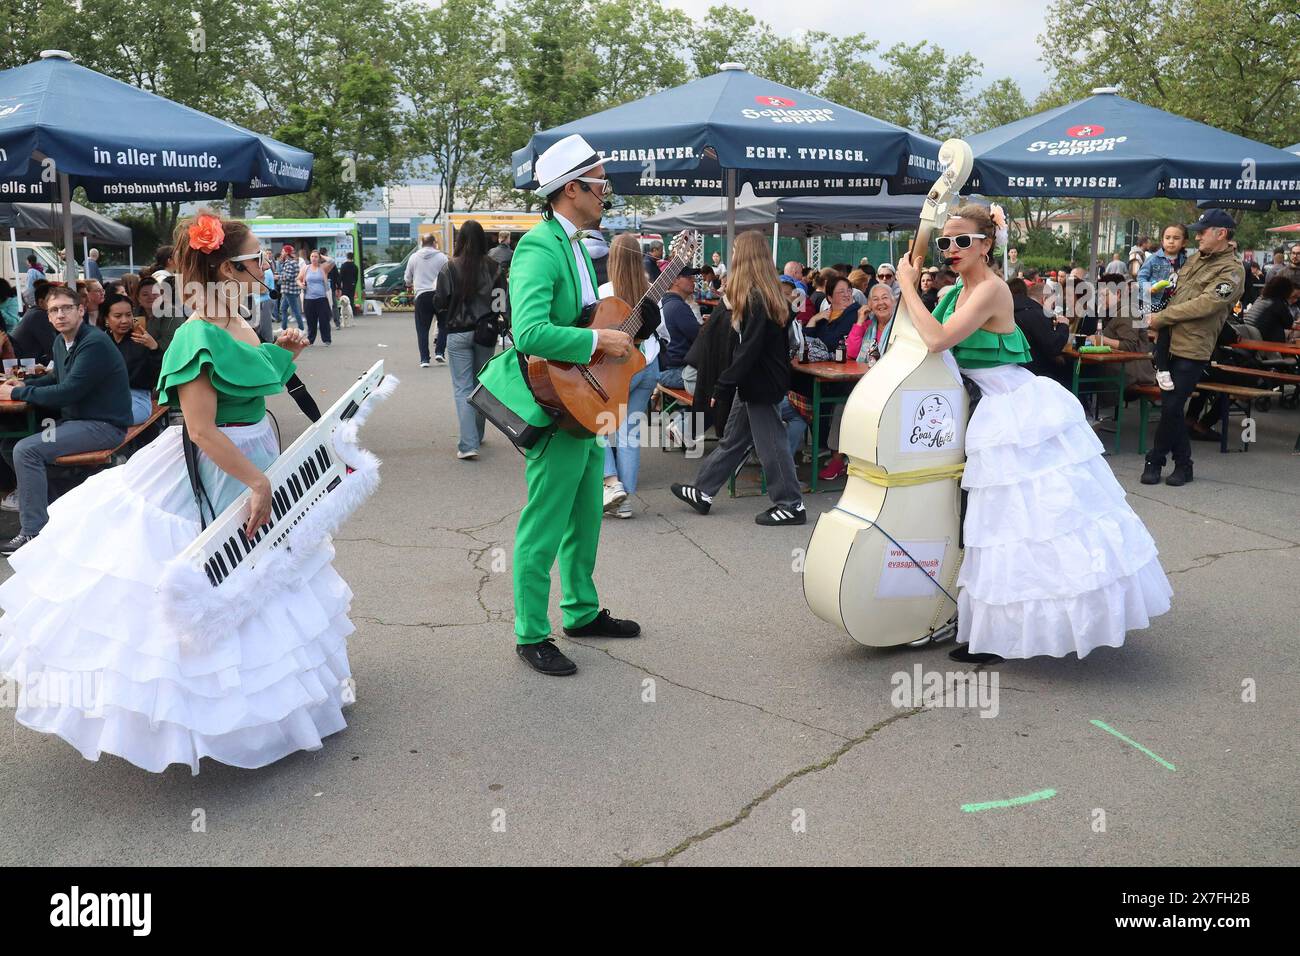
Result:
[
  {"x": 1165, "y": 381},
  {"x": 463, "y": 455},
  {"x": 615, "y": 495},
  {"x": 673, "y": 432},
  {"x": 625, "y": 509},
  {"x": 10, "y": 502},
  {"x": 424, "y": 365},
  {"x": 441, "y": 360}
]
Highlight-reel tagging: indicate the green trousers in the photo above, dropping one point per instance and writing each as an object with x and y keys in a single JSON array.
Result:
[{"x": 562, "y": 517}]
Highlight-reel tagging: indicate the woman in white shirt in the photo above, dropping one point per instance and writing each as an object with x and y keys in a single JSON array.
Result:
[{"x": 627, "y": 281}]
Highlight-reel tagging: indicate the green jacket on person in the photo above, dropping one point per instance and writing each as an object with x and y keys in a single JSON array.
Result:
[{"x": 545, "y": 305}]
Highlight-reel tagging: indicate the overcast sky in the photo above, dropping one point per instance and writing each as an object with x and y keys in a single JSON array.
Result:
[{"x": 1002, "y": 35}]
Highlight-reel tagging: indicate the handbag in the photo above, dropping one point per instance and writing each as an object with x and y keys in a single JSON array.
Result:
[
  {"x": 495, "y": 408},
  {"x": 487, "y": 329}
]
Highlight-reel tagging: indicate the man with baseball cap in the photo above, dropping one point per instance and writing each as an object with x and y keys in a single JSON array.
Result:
[
  {"x": 551, "y": 281},
  {"x": 1206, "y": 288}
]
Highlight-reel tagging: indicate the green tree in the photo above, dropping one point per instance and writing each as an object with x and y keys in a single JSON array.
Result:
[
  {"x": 915, "y": 89},
  {"x": 193, "y": 53},
  {"x": 1236, "y": 68},
  {"x": 451, "y": 80},
  {"x": 1232, "y": 67},
  {"x": 326, "y": 83}
]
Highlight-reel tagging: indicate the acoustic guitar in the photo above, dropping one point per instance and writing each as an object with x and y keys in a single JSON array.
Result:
[
  {"x": 883, "y": 563},
  {"x": 591, "y": 399}
]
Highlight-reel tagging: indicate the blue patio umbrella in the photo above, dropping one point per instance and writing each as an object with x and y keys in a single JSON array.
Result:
[
  {"x": 1289, "y": 205},
  {"x": 63, "y": 126},
  {"x": 1107, "y": 147},
  {"x": 717, "y": 133}
]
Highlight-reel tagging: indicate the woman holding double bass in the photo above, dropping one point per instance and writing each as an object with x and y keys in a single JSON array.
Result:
[{"x": 1056, "y": 562}]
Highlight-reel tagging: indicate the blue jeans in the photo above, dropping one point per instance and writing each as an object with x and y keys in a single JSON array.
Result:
[
  {"x": 466, "y": 359},
  {"x": 30, "y": 456},
  {"x": 795, "y": 426},
  {"x": 623, "y": 454},
  {"x": 141, "y": 405},
  {"x": 289, "y": 302},
  {"x": 671, "y": 377}
]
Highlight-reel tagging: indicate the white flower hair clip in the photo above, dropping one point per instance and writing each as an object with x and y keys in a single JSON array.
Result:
[{"x": 1000, "y": 221}]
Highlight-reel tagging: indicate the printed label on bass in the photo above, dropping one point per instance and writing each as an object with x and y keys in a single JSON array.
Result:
[
  {"x": 931, "y": 420},
  {"x": 901, "y": 577}
]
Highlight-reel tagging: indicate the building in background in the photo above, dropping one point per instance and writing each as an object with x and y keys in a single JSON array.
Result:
[{"x": 389, "y": 221}]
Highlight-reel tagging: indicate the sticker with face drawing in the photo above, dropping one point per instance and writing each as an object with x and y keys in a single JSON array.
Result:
[{"x": 932, "y": 420}]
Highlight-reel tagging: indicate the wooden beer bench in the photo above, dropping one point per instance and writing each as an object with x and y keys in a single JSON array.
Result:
[
  {"x": 95, "y": 460},
  {"x": 669, "y": 400},
  {"x": 1239, "y": 396}
]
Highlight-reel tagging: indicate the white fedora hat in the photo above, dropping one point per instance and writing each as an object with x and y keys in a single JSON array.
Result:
[{"x": 564, "y": 162}]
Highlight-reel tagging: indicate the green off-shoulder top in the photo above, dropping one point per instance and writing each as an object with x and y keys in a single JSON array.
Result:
[
  {"x": 982, "y": 348},
  {"x": 242, "y": 374}
]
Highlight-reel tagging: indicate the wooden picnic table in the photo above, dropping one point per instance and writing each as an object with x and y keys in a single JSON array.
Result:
[
  {"x": 826, "y": 372},
  {"x": 1113, "y": 378},
  {"x": 1282, "y": 348},
  {"x": 18, "y": 408}
]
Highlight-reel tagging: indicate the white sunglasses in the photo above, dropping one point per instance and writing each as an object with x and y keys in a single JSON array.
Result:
[{"x": 963, "y": 241}]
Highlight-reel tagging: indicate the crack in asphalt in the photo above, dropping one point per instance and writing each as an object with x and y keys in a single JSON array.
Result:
[
  {"x": 429, "y": 624},
  {"x": 829, "y": 761},
  {"x": 389, "y": 544},
  {"x": 1202, "y": 514},
  {"x": 700, "y": 690},
  {"x": 678, "y": 529},
  {"x": 1220, "y": 554}
]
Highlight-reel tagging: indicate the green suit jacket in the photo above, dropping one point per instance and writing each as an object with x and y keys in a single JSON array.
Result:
[{"x": 545, "y": 305}]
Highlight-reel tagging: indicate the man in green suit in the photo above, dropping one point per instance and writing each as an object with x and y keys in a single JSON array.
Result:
[{"x": 551, "y": 281}]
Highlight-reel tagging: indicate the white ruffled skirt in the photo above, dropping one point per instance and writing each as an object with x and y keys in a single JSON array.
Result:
[
  {"x": 1056, "y": 561},
  {"x": 118, "y": 649}
]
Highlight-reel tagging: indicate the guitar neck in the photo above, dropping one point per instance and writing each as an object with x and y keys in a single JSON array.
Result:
[{"x": 656, "y": 292}]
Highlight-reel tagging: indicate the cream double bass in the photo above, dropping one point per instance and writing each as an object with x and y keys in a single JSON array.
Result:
[{"x": 883, "y": 563}]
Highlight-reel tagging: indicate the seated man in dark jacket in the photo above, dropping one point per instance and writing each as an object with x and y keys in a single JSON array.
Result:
[
  {"x": 88, "y": 384},
  {"x": 683, "y": 327},
  {"x": 1047, "y": 334}
]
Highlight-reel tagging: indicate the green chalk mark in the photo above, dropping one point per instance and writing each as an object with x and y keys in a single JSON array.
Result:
[
  {"x": 1013, "y": 802},
  {"x": 1154, "y": 756}
]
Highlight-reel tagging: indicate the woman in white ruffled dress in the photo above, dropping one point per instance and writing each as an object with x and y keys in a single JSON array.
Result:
[
  {"x": 115, "y": 647},
  {"x": 1056, "y": 562}
]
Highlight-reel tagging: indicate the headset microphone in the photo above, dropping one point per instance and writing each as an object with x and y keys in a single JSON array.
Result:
[
  {"x": 606, "y": 205},
  {"x": 243, "y": 268}
]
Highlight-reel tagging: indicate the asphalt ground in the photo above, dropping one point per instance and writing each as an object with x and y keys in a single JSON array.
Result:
[{"x": 739, "y": 729}]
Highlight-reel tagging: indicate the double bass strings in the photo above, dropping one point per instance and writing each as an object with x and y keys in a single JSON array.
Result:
[{"x": 894, "y": 541}]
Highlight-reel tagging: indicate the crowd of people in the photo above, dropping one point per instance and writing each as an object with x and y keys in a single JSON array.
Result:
[{"x": 691, "y": 342}]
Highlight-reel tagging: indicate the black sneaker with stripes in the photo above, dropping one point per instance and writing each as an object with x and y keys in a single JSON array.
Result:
[
  {"x": 778, "y": 515},
  {"x": 693, "y": 497}
]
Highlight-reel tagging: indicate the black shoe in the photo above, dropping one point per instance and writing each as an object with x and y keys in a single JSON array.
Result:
[
  {"x": 545, "y": 658},
  {"x": 1201, "y": 433},
  {"x": 778, "y": 515},
  {"x": 603, "y": 625},
  {"x": 692, "y": 496},
  {"x": 16, "y": 542},
  {"x": 959, "y": 653},
  {"x": 1151, "y": 473},
  {"x": 1181, "y": 475}
]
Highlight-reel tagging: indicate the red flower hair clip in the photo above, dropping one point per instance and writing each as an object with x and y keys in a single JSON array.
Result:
[{"x": 206, "y": 234}]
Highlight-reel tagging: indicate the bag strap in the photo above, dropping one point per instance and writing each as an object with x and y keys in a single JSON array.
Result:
[{"x": 196, "y": 483}]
